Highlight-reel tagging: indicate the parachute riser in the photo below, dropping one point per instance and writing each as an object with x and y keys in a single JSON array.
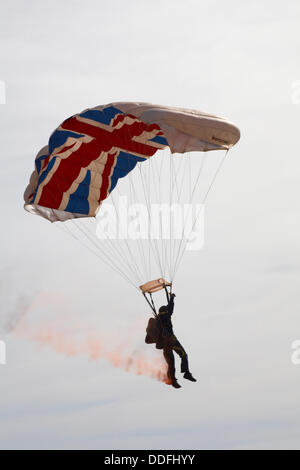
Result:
[
  {"x": 151, "y": 304},
  {"x": 168, "y": 293},
  {"x": 151, "y": 301}
]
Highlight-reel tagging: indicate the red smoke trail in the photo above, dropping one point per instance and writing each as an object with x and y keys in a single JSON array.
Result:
[{"x": 74, "y": 343}]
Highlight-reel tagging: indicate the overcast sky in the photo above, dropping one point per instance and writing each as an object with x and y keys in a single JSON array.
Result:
[{"x": 237, "y": 309}]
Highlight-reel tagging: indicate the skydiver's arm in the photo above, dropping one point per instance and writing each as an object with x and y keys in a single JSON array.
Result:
[{"x": 171, "y": 304}]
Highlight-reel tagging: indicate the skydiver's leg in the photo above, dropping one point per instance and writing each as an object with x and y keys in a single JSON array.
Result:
[
  {"x": 169, "y": 357},
  {"x": 179, "y": 349},
  {"x": 184, "y": 360}
]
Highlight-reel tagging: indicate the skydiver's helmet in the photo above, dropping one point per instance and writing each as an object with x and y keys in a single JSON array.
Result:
[{"x": 163, "y": 309}]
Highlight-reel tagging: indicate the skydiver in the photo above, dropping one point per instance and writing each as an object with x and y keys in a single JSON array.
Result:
[{"x": 168, "y": 342}]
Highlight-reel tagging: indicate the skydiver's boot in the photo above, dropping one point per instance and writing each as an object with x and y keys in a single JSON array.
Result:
[
  {"x": 187, "y": 375},
  {"x": 175, "y": 384}
]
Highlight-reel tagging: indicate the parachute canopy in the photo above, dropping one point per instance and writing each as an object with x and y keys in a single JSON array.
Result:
[{"x": 90, "y": 151}]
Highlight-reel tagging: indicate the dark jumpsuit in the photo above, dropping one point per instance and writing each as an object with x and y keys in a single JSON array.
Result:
[{"x": 170, "y": 343}]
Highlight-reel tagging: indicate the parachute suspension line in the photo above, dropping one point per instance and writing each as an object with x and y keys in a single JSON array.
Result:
[
  {"x": 119, "y": 254},
  {"x": 179, "y": 190},
  {"x": 175, "y": 256},
  {"x": 184, "y": 161},
  {"x": 163, "y": 250},
  {"x": 139, "y": 242},
  {"x": 125, "y": 268},
  {"x": 172, "y": 219},
  {"x": 103, "y": 254},
  {"x": 119, "y": 258},
  {"x": 215, "y": 176},
  {"x": 147, "y": 200},
  {"x": 181, "y": 204},
  {"x": 191, "y": 194},
  {"x": 171, "y": 210},
  {"x": 133, "y": 262},
  {"x": 190, "y": 175},
  {"x": 178, "y": 200},
  {"x": 155, "y": 241},
  {"x": 158, "y": 242},
  {"x": 108, "y": 262},
  {"x": 183, "y": 242},
  {"x": 162, "y": 243},
  {"x": 102, "y": 258},
  {"x": 146, "y": 252},
  {"x": 161, "y": 247},
  {"x": 168, "y": 247},
  {"x": 130, "y": 260},
  {"x": 187, "y": 157},
  {"x": 149, "y": 211},
  {"x": 95, "y": 241},
  {"x": 196, "y": 218},
  {"x": 149, "y": 214},
  {"x": 66, "y": 229},
  {"x": 156, "y": 185}
]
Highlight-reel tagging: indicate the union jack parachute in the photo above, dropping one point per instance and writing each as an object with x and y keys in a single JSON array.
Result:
[{"x": 94, "y": 152}]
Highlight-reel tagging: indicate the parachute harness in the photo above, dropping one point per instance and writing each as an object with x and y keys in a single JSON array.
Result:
[{"x": 150, "y": 300}]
